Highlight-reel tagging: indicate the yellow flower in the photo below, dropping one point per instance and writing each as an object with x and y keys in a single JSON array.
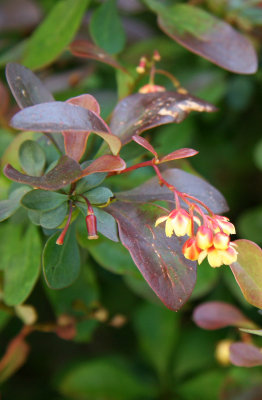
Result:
[
  {"x": 178, "y": 221},
  {"x": 190, "y": 249},
  {"x": 204, "y": 237}
]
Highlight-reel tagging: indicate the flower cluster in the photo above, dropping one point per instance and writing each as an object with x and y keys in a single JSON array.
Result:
[{"x": 211, "y": 239}]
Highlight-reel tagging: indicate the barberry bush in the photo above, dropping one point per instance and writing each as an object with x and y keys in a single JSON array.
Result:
[{"x": 128, "y": 121}]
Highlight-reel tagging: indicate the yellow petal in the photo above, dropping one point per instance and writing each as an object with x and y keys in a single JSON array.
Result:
[
  {"x": 202, "y": 256},
  {"x": 160, "y": 220},
  {"x": 169, "y": 227}
]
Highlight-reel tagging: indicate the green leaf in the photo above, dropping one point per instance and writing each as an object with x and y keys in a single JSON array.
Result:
[
  {"x": 104, "y": 252},
  {"x": 53, "y": 218},
  {"x": 55, "y": 33},
  {"x": 32, "y": 158},
  {"x": 157, "y": 330},
  {"x": 106, "y": 28},
  {"x": 89, "y": 182},
  {"x": 9, "y": 207},
  {"x": 247, "y": 271},
  {"x": 43, "y": 200},
  {"x": 99, "y": 195},
  {"x": 21, "y": 262},
  {"x": 61, "y": 264},
  {"x": 105, "y": 378}
]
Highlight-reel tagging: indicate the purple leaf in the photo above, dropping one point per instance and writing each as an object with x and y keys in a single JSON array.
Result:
[
  {"x": 66, "y": 171},
  {"x": 158, "y": 258},
  {"x": 217, "y": 314},
  {"x": 27, "y": 89},
  {"x": 58, "y": 116},
  {"x": 177, "y": 154},
  {"x": 86, "y": 49},
  {"x": 209, "y": 37},
  {"x": 140, "y": 112},
  {"x": 245, "y": 355},
  {"x": 247, "y": 271},
  {"x": 106, "y": 163},
  {"x": 184, "y": 182}
]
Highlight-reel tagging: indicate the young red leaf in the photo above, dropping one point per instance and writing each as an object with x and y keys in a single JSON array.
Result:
[
  {"x": 86, "y": 49},
  {"x": 140, "y": 112},
  {"x": 27, "y": 89},
  {"x": 75, "y": 142},
  {"x": 218, "y": 314},
  {"x": 58, "y": 116},
  {"x": 177, "y": 154},
  {"x": 245, "y": 355},
  {"x": 65, "y": 172},
  {"x": 144, "y": 143},
  {"x": 184, "y": 182},
  {"x": 209, "y": 37},
  {"x": 247, "y": 271},
  {"x": 158, "y": 258},
  {"x": 106, "y": 163}
]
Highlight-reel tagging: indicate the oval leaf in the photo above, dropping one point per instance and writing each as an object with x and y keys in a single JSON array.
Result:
[
  {"x": 59, "y": 116},
  {"x": 106, "y": 163},
  {"x": 27, "y": 89},
  {"x": 247, "y": 271},
  {"x": 178, "y": 154},
  {"x": 53, "y": 218},
  {"x": 158, "y": 258},
  {"x": 144, "y": 143},
  {"x": 43, "y": 200},
  {"x": 245, "y": 355},
  {"x": 21, "y": 263},
  {"x": 140, "y": 112},
  {"x": 66, "y": 171},
  {"x": 184, "y": 182},
  {"x": 61, "y": 24},
  {"x": 86, "y": 49},
  {"x": 112, "y": 36},
  {"x": 32, "y": 157},
  {"x": 61, "y": 264},
  {"x": 9, "y": 207},
  {"x": 217, "y": 314},
  {"x": 209, "y": 37}
]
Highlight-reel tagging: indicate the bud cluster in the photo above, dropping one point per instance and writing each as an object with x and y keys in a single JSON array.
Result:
[{"x": 211, "y": 240}]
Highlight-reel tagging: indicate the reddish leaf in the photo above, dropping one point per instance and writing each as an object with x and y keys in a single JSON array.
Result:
[
  {"x": 209, "y": 37},
  {"x": 217, "y": 314},
  {"x": 15, "y": 355},
  {"x": 106, "y": 163},
  {"x": 177, "y": 154},
  {"x": 75, "y": 142},
  {"x": 27, "y": 89},
  {"x": 140, "y": 112},
  {"x": 86, "y": 49},
  {"x": 245, "y": 355},
  {"x": 4, "y": 99},
  {"x": 144, "y": 143},
  {"x": 247, "y": 271},
  {"x": 65, "y": 172},
  {"x": 19, "y": 15},
  {"x": 158, "y": 258},
  {"x": 58, "y": 116},
  {"x": 185, "y": 182}
]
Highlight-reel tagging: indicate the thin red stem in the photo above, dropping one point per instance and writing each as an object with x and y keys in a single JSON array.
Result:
[
  {"x": 61, "y": 238},
  {"x": 89, "y": 207}
]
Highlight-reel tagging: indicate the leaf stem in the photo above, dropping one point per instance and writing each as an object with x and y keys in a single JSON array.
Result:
[{"x": 61, "y": 237}]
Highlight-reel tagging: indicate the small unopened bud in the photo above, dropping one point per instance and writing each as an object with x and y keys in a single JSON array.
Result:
[
  {"x": 223, "y": 352},
  {"x": 156, "y": 56},
  {"x": 101, "y": 315},
  {"x": 141, "y": 68},
  {"x": 91, "y": 226}
]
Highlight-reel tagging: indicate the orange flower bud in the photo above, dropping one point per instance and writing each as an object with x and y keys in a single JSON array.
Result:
[
  {"x": 221, "y": 241},
  {"x": 141, "y": 68},
  {"x": 180, "y": 221},
  {"x": 204, "y": 237},
  {"x": 190, "y": 249},
  {"x": 156, "y": 56}
]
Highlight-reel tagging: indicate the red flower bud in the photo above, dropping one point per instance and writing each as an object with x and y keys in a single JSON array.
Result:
[{"x": 91, "y": 226}]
